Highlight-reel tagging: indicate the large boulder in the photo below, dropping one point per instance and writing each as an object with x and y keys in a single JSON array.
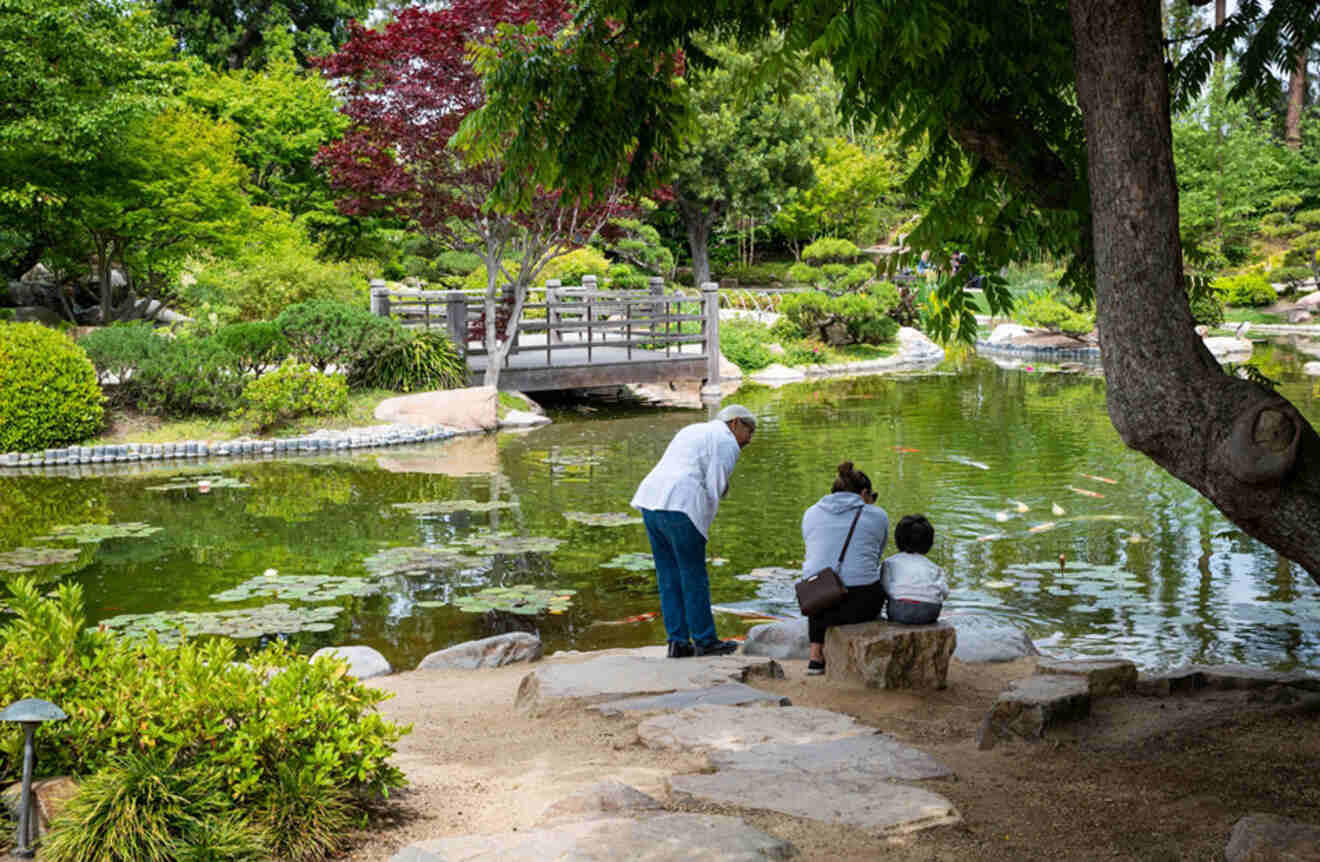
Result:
[
  {"x": 782, "y": 640},
  {"x": 363, "y": 661},
  {"x": 494, "y": 651},
  {"x": 1004, "y": 333},
  {"x": 889, "y": 655},
  {"x": 471, "y": 409},
  {"x": 1269, "y": 838},
  {"x": 982, "y": 637},
  {"x": 1033, "y": 706},
  {"x": 914, "y": 346},
  {"x": 777, "y": 374}
]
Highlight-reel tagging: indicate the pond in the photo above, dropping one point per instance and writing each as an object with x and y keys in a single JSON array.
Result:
[{"x": 1015, "y": 468}]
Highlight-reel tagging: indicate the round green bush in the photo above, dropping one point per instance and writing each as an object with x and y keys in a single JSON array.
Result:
[
  {"x": 292, "y": 390},
  {"x": 1248, "y": 288},
  {"x": 48, "y": 391}
]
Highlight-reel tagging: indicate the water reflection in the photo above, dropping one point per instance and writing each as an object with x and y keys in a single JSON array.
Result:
[{"x": 1015, "y": 469}]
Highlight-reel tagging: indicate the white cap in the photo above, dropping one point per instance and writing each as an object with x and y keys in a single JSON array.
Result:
[{"x": 736, "y": 411}]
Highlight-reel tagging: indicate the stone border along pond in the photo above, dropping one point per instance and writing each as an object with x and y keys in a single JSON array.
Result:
[{"x": 313, "y": 444}]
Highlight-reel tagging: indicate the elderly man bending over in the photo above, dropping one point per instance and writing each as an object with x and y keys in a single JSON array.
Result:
[{"x": 678, "y": 500}]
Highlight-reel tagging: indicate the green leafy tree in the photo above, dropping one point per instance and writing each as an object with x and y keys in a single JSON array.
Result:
[
  {"x": 247, "y": 33},
  {"x": 843, "y": 201}
]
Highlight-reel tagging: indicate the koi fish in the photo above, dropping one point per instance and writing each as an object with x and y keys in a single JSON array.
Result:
[
  {"x": 969, "y": 462},
  {"x": 990, "y": 538},
  {"x": 1001, "y": 516},
  {"x": 997, "y": 585},
  {"x": 1085, "y": 492},
  {"x": 750, "y": 616},
  {"x": 1099, "y": 479},
  {"x": 905, "y": 450},
  {"x": 1057, "y": 509},
  {"x": 1021, "y": 507},
  {"x": 637, "y": 618},
  {"x": 1040, "y": 528}
]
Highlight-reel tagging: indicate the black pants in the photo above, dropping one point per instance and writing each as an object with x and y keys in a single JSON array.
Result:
[{"x": 859, "y": 605}]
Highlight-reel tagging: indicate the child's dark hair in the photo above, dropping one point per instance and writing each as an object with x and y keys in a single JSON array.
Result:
[
  {"x": 914, "y": 534},
  {"x": 851, "y": 480}
]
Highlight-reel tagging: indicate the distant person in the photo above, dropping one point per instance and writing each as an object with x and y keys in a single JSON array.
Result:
[
  {"x": 825, "y": 528},
  {"x": 678, "y": 500},
  {"x": 923, "y": 263},
  {"x": 915, "y": 586}
]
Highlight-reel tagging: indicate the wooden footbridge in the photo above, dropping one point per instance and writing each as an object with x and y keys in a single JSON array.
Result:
[{"x": 573, "y": 337}]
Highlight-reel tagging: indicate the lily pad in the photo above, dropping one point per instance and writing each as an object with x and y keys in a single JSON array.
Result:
[
  {"x": 445, "y": 507},
  {"x": 603, "y": 519},
  {"x": 21, "y": 560},
  {"x": 418, "y": 561},
  {"x": 632, "y": 561},
  {"x": 90, "y": 534},
  {"x": 572, "y": 459},
  {"x": 184, "y": 482},
  {"x": 303, "y": 588},
  {"x": 275, "y": 618},
  {"x": 486, "y": 542},
  {"x": 521, "y": 599}
]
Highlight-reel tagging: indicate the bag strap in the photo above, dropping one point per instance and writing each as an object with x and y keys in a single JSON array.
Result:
[{"x": 848, "y": 540}]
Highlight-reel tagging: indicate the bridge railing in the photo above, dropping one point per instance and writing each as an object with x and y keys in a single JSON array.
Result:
[{"x": 645, "y": 324}]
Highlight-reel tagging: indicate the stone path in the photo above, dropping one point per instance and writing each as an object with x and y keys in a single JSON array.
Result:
[{"x": 762, "y": 755}]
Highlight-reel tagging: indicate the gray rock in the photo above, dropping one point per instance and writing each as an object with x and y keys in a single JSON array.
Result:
[
  {"x": 614, "y": 677},
  {"x": 873, "y": 805},
  {"x": 915, "y": 347},
  {"x": 363, "y": 661},
  {"x": 1103, "y": 677},
  {"x": 729, "y": 694},
  {"x": 662, "y": 838},
  {"x": 1269, "y": 838},
  {"x": 606, "y": 799},
  {"x": 1033, "y": 706},
  {"x": 732, "y": 728},
  {"x": 494, "y": 651},
  {"x": 873, "y": 757},
  {"x": 523, "y": 419},
  {"x": 1004, "y": 333},
  {"x": 982, "y": 637},
  {"x": 888, "y": 655},
  {"x": 782, "y": 640}
]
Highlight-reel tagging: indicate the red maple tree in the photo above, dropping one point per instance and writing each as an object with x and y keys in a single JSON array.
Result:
[{"x": 406, "y": 89}]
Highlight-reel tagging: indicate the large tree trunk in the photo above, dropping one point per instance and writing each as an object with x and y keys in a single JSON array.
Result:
[
  {"x": 1221, "y": 10},
  {"x": 698, "y": 218},
  {"x": 1292, "y": 124},
  {"x": 1245, "y": 448}
]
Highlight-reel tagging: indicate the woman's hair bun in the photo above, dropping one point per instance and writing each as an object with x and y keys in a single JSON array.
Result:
[{"x": 846, "y": 468}]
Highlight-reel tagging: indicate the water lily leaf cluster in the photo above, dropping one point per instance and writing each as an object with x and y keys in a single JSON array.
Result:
[
  {"x": 491, "y": 542},
  {"x": 302, "y": 588},
  {"x": 274, "y": 618},
  {"x": 603, "y": 519},
  {"x": 632, "y": 561},
  {"x": 184, "y": 482},
  {"x": 570, "y": 459},
  {"x": 521, "y": 599},
  {"x": 90, "y": 534},
  {"x": 21, "y": 560},
  {"x": 417, "y": 561},
  {"x": 444, "y": 507}
]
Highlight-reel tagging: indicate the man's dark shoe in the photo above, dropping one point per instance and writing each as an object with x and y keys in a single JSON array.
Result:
[
  {"x": 718, "y": 648},
  {"x": 815, "y": 668},
  {"x": 680, "y": 649}
]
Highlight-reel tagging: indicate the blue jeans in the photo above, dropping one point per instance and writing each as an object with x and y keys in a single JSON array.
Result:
[
  {"x": 913, "y": 613},
  {"x": 680, "y": 573}
]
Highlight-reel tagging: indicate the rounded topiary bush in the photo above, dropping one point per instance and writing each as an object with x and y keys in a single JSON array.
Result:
[
  {"x": 292, "y": 390},
  {"x": 48, "y": 390}
]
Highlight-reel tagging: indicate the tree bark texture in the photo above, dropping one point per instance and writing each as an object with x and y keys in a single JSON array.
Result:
[
  {"x": 1241, "y": 445},
  {"x": 698, "y": 218},
  {"x": 1292, "y": 124}
]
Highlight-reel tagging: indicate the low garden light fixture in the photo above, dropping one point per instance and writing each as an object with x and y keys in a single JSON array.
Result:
[{"x": 30, "y": 712}]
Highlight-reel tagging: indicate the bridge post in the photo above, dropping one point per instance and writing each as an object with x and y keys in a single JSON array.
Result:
[
  {"x": 552, "y": 311},
  {"x": 456, "y": 320},
  {"x": 710, "y": 295},
  {"x": 380, "y": 298}
]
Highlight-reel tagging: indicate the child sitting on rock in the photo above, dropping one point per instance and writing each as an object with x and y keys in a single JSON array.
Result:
[{"x": 916, "y": 588}]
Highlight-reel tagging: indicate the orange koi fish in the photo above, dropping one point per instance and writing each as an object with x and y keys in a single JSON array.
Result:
[
  {"x": 1085, "y": 492},
  {"x": 1100, "y": 479}
]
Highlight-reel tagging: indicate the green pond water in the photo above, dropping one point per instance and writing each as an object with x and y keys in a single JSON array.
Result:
[{"x": 995, "y": 457}]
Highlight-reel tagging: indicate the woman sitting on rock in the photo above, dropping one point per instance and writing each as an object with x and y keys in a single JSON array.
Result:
[{"x": 825, "y": 528}]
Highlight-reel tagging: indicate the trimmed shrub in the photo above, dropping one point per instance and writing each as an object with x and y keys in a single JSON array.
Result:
[
  {"x": 224, "y": 725},
  {"x": 418, "y": 361},
  {"x": 292, "y": 390},
  {"x": 457, "y": 262},
  {"x": 830, "y": 249},
  {"x": 48, "y": 391},
  {"x": 255, "y": 346},
  {"x": 1045, "y": 310},
  {"x": 809, "y": 312},
  {"x": 192, "y": 375},
  {"x": 117, "y": 351},
  {"x": 323, "y": 333},
  {"x": 862, "y": 314},
  {"x": 743, "y": 342},
  {"x": 1207, "y": 310},
  {"x": 1308, "y": 218},
  {"x": 1245, "y": 289}
]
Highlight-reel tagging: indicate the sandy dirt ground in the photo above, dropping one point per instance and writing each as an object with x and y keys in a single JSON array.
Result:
[{"x": 1143, "y": 779}]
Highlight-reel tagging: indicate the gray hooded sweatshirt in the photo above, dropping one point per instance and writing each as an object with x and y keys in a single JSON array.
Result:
[{"x": 824, "y": 528}]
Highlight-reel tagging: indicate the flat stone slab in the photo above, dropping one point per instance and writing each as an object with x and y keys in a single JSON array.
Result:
[
  {"x": 1033, "y": 706},
  {"x": 1103, "y": 676},
  {"x": 889, "y": 655},
  {"x": 729, "y": 694},
  {"x": 614, "y": 677},
  {"x": 662, "y": 838},
  {"x": 982, "y": 637},
  {"x": 1266, "y": 838},
  {"x": 731, "y": 728},
  {"x": 363, "y": 661},
  {"x": 873, "y": 757},
  {"x": 494, "y": 651},
  {"x": 879, "y": 806},
  {"x": 607, "y": 799},
  {"x": 1225, "y": 677}
]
